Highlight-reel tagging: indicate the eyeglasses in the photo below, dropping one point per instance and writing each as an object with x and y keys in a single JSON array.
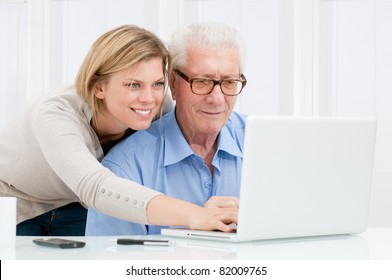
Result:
[{"x": 202, "y": 86}]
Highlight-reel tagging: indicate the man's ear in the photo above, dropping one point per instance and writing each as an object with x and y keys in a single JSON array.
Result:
[
  {"x": 98, "y": 90},
  {"x": 172, "y": 80}
]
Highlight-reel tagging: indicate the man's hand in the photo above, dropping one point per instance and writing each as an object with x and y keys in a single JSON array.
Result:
[{"x": 222, "y": 202}]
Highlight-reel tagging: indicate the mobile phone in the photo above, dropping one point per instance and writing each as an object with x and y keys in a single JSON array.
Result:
[{"x": 59, "y": 243}]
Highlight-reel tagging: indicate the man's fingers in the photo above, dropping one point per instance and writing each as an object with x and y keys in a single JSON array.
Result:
[{"x": 222, "y": 202}]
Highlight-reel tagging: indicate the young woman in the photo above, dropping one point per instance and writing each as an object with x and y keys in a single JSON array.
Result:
[{"x": 50, "y": 156}]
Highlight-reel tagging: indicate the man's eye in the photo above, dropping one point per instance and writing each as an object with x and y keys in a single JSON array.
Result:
[
  {"x": 230, "y": 82},
  {"x": 202, "y": 83}
]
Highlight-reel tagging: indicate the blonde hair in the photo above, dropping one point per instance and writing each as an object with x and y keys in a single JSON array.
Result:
[{"x": 113, "y": 52}]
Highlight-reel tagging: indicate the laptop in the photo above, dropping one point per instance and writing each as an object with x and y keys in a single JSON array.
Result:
[{"x": 301, "y": 176}]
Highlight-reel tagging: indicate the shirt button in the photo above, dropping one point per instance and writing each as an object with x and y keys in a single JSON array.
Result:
[
  {"x": 126, "y": 199},
  {"x": 117, "y": 196},
  {"x": 103, "y": 190},
  {"x": 141, "y": 204},
  {"x": 133, "y": 201},
  {"x": 109, "y": 193}
]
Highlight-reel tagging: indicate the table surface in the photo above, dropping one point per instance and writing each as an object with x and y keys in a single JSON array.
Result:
[{"x": 375, "y": 244}]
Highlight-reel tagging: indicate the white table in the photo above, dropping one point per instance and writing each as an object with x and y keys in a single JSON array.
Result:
[{"x": 375, "y": 244}]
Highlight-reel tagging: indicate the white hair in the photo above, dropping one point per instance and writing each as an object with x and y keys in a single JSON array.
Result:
[{"x": 204, "y": 34}]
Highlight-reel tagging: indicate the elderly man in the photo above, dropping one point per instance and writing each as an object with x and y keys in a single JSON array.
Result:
[{"x": 194, "y": 152}]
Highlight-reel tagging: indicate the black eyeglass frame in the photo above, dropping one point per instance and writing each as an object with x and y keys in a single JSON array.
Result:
[{"x": 242, "y": 80}]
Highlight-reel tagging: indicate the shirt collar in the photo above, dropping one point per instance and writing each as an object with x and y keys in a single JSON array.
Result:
[
  {"x": 227, "y": 143},
  {"x": 177, "y": 148}
]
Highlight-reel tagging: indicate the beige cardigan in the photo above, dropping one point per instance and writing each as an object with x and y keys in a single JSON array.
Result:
[{"x": 50, "y": 157}]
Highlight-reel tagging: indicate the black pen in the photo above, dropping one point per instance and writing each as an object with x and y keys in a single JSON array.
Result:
[{"x": 127, "y": 241}]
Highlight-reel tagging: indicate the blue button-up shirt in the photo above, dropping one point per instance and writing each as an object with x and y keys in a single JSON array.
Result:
[{"x": 160, "y": 158}]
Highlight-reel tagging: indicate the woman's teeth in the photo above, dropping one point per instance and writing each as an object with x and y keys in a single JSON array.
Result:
[{"x": 142, "y": 112}]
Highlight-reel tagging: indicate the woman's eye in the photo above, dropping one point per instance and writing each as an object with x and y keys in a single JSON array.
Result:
[
  {"x": 159, "y": 84},
  {"x": 133, "y": 85}
]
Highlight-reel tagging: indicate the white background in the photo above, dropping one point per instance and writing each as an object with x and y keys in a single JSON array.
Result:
[{"x": 305, "y": 57}]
